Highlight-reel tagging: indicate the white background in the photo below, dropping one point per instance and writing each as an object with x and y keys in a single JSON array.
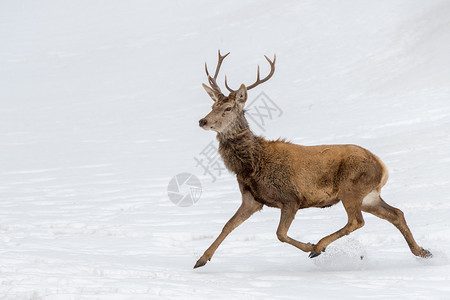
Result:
[{"x": 99, "y": 109}]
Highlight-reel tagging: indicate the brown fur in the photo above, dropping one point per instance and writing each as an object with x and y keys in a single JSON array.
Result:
[{"x": 291, "y": 177}]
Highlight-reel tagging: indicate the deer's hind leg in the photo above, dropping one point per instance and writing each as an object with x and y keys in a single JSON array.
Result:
[
  {"x": 375, "y": 205},
  {"x": 352, "y": 203}
]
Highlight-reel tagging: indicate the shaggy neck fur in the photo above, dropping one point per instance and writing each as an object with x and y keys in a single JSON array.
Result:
[{"x": 240, "y": 149}]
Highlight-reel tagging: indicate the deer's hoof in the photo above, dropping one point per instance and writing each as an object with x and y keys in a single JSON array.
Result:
[
  {"x": 314, "y": 254},
  {"x": 426, "y": 253},
  {"x": 199, "y": 264}
]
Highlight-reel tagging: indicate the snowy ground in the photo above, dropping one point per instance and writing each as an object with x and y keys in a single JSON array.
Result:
[{"x": 99, "y": 106}]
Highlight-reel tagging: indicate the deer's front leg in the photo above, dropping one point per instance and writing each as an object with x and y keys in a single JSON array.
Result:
[
  {"x": 248, "y": 207},
  {"x": 287, "y": 216}
]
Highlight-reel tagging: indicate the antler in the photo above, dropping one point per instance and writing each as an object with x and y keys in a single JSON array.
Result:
[
  {"x": 212, "y": 80},
  {"x": 258, "y": 80}
]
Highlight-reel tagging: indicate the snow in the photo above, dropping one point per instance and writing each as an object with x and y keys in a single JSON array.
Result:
[{"x": 99, "y": 110}]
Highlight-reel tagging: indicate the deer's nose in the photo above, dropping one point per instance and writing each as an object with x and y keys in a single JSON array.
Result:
[{"x": 202, "y": 122}]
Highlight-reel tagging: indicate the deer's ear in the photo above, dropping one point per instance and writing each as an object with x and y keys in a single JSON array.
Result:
[
  {"x": 212, "y": 93},
  {"x": 241, "y": 95}
]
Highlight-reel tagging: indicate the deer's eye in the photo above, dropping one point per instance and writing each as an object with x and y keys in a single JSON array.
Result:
[{"x": 228, "y": 109}]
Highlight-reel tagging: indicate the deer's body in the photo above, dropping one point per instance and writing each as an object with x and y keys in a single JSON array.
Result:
[
  {"x": 279, "y": 172},
  {"x": 291, "y": 177}
]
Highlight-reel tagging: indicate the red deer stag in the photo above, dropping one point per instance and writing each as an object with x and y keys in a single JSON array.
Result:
[{"x": 291, "y": 177}]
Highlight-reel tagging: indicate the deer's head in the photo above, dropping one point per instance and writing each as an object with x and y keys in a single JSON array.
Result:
[{"x": 226, "y": 110}]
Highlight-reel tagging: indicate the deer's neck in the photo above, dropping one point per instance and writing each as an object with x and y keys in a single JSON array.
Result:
[{"x": 240, "y": 149}]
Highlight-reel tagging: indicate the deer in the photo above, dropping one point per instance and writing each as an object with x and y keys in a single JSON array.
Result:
[{"x": 280, "y": 174}]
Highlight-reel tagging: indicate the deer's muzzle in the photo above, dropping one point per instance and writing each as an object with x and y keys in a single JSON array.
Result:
[{"x": 202, "y": 122}]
